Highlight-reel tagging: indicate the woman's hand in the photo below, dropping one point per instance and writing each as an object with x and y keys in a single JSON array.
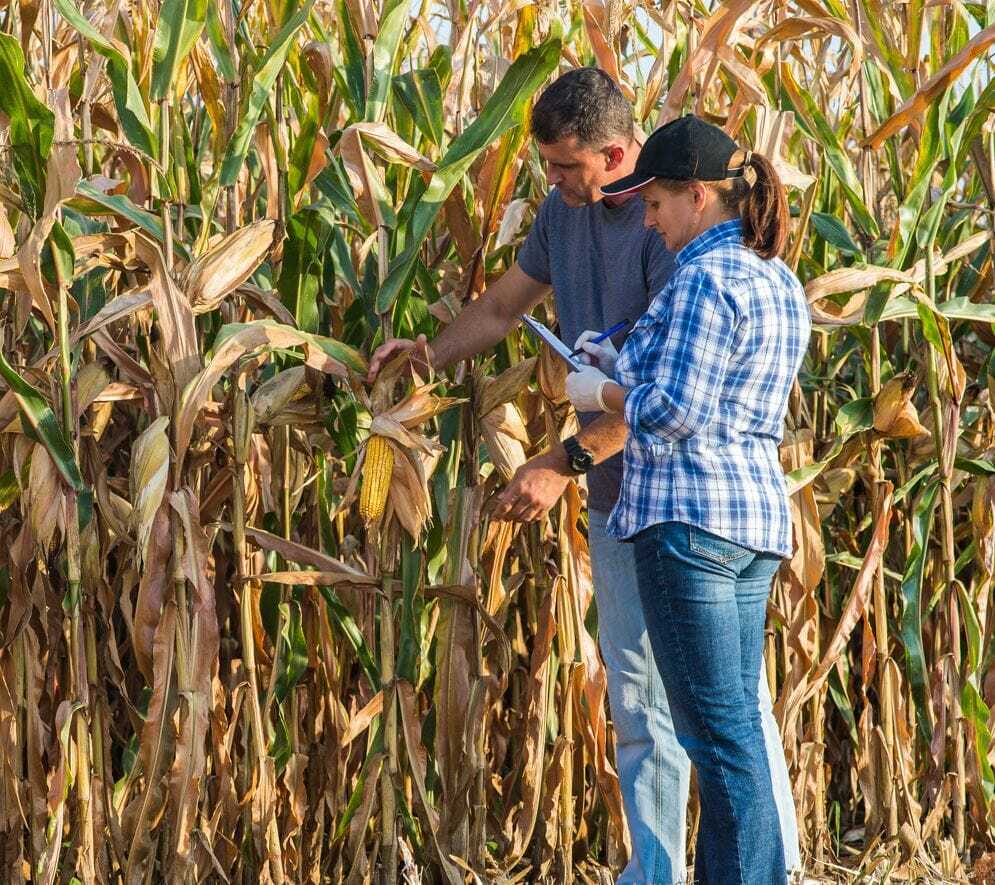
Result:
[
  {"x": 585, "y": 389},
  {"x": 603, "y": 355}
]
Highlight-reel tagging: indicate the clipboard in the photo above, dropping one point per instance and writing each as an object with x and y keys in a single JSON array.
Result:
[{"x": 542, "y": 332}]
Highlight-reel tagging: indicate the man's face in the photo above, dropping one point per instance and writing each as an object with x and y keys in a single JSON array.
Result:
[{"x": 579, "y": 171}]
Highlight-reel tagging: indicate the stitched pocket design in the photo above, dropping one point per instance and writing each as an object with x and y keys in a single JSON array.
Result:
[{"x": 713, "y": 547}]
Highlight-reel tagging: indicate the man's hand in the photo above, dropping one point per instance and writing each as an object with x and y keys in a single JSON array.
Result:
[
  {"x": 536, "y": 486},
  {"x": 421, "y": 355}
]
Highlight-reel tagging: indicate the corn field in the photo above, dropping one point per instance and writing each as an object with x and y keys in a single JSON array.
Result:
[{"x": 219, "y": 664}]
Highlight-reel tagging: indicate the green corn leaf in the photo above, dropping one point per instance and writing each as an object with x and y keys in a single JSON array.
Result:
[
  {"x": 834, "y": 232},
  {"x": 303, "y": 148},
  {"x": 294, "y": 657},
  {"x": 372, "y": 763},
  {"x": 128, "y": 100},
  {"x": 887, "y": 50},
  {"x": 976, "y": 712},
  {"x": 280, "y": 746},
  {"x": 933, "y": 217},
  {"x": 441, "y": 61},
  {"x": 10, "y": 491},
  {"x": 409, "y": 650},
  {"x": 342, "y": 262},
  {"x": 930, "y": 153},
  {"x": 332, "y": 183},
  {"x": 91, "y": 201},
  {"x": 972, "y": 629},
  {"x": 912, "y": 607},
  {"x": 853, "y": 418},
  {"x": 303, "y": 260},
  {"x": 961, "y": 308},
  {"x": 39, "y": 423},
  {"x": 421, "y": 94},
  {"x": 63, "y": 253},
  {"x": 385, "y": 49},
  {"x": 345, "y": 622},
  {"x": 983, "y": 109},
  {"x": 219, "y": 44},
  {"x": 975, "y": 466},
  {"x": 930, "y": 327},
  {"x": 814, "y": 123},
  {"x": 505, "y": 109},
  {"x": 910, "y": 485},
  {"x": 31, "y": 128},
  {"x": 351, "y": 74},
  {"x": 837, "y": 689},
  {"x": 259, "y": 93},
  {"x": 179, "y": 25}
]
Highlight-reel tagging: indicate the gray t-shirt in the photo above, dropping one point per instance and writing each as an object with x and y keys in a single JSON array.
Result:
[{"x": 604, "y": 267}]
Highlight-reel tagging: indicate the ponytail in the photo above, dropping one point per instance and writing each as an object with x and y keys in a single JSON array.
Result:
[{"x": 764, "y": 209}]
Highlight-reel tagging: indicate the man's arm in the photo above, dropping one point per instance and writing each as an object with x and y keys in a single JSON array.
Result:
[
  {"x": 480, "y": 325},
  {"x": 539, "y": 482}
]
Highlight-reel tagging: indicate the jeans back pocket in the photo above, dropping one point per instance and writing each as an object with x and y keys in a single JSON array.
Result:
[{"x": 713, "y": 547}]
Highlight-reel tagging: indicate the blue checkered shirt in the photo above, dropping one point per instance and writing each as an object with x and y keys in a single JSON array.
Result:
[{"x": 708, "y": 369}]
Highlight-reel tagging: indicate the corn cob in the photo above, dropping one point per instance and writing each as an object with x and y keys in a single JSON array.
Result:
[{"x": 377, "y": 469}]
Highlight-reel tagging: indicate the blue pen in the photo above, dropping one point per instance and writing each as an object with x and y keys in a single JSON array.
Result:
[{"x": 606, "y": 334}]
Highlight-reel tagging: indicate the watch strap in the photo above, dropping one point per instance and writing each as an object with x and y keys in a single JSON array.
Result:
[{"x": 576, "y": 452}]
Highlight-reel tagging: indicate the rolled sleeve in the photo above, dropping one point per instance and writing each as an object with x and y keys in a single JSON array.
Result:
[{"x": 687, "y": 355}]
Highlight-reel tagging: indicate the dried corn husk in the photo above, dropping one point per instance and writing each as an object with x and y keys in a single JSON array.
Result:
[
  {"x": 225, "y": 266},
  {"x": 149, "y": 472},
  {"x": 894, "y": 414},
  {"x": 271, "y": 396}
]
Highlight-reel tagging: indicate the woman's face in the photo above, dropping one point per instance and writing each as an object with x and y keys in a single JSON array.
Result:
[{"x": 674, "y": 214}]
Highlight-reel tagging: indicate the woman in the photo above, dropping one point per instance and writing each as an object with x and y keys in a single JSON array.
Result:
[{"x": 703, "y": 381}]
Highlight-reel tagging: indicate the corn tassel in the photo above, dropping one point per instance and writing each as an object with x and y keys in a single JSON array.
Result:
[{"x": 377, "y": 469}]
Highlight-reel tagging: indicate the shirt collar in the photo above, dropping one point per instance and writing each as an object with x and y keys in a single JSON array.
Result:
[{"x": 709, "y": 239}]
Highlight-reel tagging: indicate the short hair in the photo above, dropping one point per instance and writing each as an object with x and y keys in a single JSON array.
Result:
[{"x": 585, "y": 103}]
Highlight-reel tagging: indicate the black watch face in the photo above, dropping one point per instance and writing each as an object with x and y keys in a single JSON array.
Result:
[{"x": 582, "y": 462}]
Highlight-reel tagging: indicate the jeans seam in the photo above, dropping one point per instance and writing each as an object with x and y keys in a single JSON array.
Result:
[
  {"x": 657, "y": 771},
  {"x": 687, "y": 676}
]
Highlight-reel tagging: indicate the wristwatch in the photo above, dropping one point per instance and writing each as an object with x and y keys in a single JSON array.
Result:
[{"x": 581, "y": 460}]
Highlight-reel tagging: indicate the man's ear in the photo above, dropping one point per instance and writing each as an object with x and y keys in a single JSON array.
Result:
[{"x": 614, "y": 155}]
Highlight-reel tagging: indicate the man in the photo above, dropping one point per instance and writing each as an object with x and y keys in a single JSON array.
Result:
[{"x": 603, "y": 266}]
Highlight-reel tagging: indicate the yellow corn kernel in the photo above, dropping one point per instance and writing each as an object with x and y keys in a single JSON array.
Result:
[{"x": 377, "y": 468}]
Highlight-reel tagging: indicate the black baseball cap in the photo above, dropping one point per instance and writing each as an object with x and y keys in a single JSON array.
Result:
[{"x": 685, "y": 149}]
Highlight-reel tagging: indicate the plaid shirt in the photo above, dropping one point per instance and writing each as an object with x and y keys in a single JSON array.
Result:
[{"x": 709, "y": 368}]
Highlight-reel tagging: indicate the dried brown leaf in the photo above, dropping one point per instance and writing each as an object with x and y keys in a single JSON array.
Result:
[
  {"x": 62, "y": 175},
  {"x": 45, "y": 497}
]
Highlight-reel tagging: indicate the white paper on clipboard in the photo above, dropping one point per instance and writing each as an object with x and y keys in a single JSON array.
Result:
[{"x": 555, "y": 343}]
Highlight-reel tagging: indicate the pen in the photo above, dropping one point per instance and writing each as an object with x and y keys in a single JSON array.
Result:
[{"x": 606, "y": 334}]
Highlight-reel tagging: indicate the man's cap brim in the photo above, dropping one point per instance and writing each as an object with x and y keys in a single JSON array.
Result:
[{"x": 627, "y": 184}]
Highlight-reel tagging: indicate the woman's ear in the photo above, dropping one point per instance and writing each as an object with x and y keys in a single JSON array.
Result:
[{"x": 699, "y": 195}]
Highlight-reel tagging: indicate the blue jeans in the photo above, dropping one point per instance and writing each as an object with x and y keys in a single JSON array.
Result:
[
  {"x": 705, "y": 603},
  {"x": 652, "y": 766}
]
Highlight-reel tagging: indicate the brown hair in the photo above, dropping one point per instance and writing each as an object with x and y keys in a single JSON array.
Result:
[
  {"x": 760, "y": 203},
  {"x": 586, "y": 103}
]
